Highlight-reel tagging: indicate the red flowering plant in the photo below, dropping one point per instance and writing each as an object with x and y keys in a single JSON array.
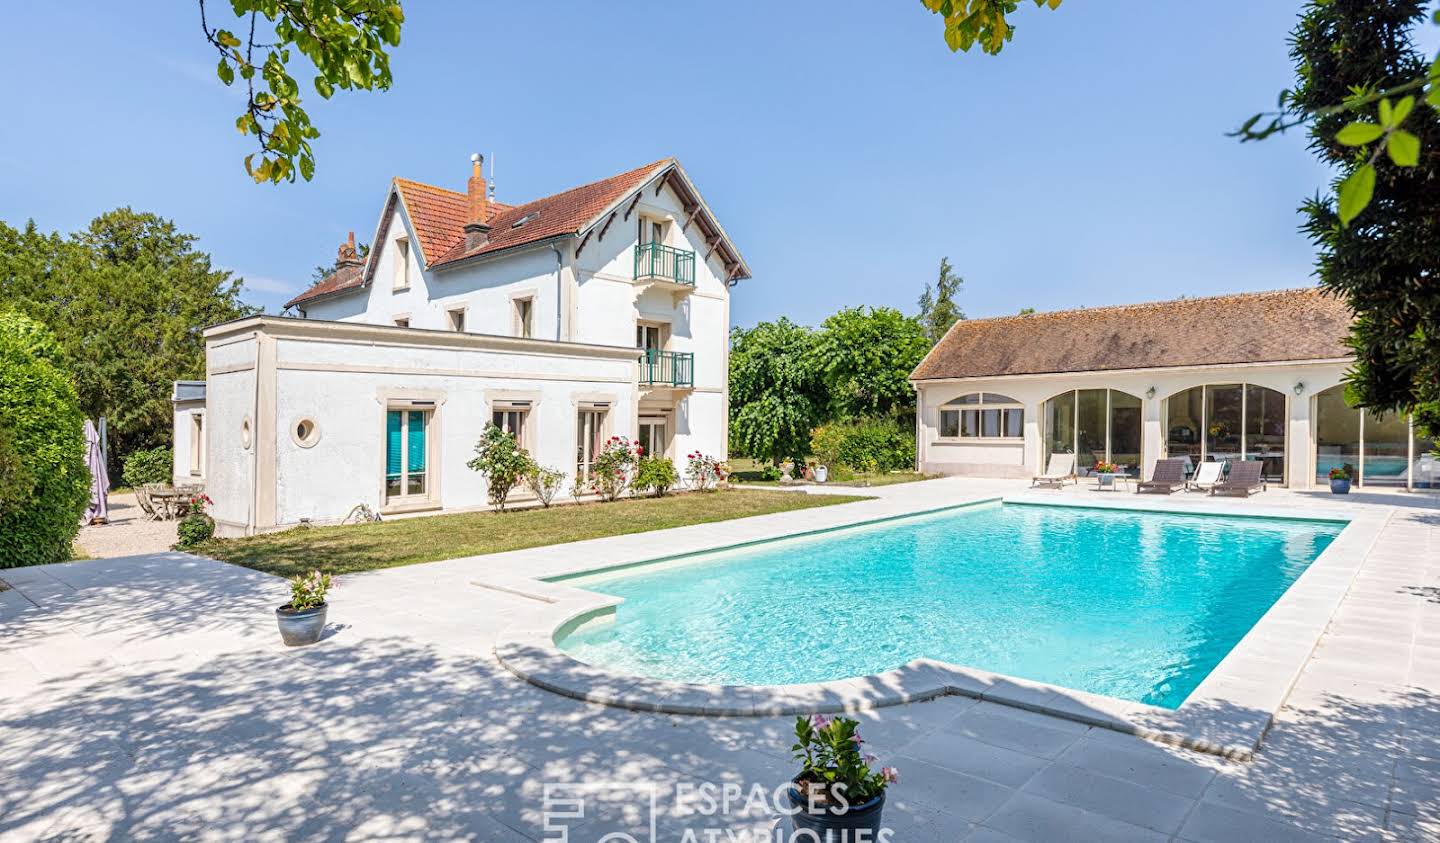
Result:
[
  {"x": 614, "y": 467},
  {"x": 705, "y": 471},
  {"x": 1106, "y": 468},
  {"x": 198, "y": 504},
  {"x": 835, "y": 771}
]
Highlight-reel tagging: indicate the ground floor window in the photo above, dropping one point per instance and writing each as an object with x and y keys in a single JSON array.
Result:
[
  {"x": 1097, "y": 425},
  {"x": 983, "y": 415},
  {"x": 407, "y": 455},
  {"x": 653, "y": 438},
  {"x": 1232, "y": 421},
  {"x": 1376, "y": 450},
  {"x": 589, "y": 430},
  {"x": 197, "y": 443},
  {"x": 512, "y": 419}
]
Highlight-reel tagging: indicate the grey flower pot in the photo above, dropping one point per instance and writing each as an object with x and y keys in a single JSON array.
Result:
[
  {"x": 858, "y": 822},
  {"x": 298, "y": 628}
]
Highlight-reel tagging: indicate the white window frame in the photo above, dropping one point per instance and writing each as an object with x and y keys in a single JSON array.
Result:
[
  {"x": 522, "y": 309},
  {"x": 959, "y": 409},
  {"x": 401, "y": 320},
  {"x": 197, "y": 444},
  {"x": 402, "y": 264},
  {"x": 406, "y": 499},
  {"x": 597, "y": 429},
  {"x": 667, "y": 431},
  {"x": 450, "y": 322}
]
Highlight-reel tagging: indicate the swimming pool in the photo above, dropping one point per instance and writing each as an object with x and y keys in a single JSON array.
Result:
[{"x": 1129, "y": 604}]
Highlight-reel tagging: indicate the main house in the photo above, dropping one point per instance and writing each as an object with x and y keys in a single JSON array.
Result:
[
  {"x": 1249, "y": 376},
  {"x": 603, "y": 310}
]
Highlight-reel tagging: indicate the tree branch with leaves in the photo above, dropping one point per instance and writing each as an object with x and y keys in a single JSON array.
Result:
[{"x": 345, "y": 42}]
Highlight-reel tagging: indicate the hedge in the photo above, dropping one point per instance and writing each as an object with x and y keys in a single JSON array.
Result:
[
  {"x": 874, "y": 444},
  {"x": 41, "y": 415},
  {"x": 154, "y": 465}
]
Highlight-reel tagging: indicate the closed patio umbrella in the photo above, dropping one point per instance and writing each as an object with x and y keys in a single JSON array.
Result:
[{"x": 99, "y": 510}]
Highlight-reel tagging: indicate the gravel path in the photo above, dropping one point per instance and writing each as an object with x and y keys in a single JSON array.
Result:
[{"x": 127, "y": 534}]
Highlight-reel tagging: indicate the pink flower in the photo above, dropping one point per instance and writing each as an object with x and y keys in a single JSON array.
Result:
[
  {"x": 819, "y": 721},
  {"x": 857, "y": 739},
  {"x": 869, "y": 758},
  {"x": 890, "y": 774}
]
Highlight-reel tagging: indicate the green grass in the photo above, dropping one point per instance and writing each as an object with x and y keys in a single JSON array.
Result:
[
  {"x": 747, "y": 472},
  {"x": 364, "y": 547}
]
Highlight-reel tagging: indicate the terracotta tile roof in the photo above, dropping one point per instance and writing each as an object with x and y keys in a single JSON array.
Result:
[
  {"x": 438, "y": 217},
  {"x": 344, "y": 278},
  {"x": 1277, "y": 326},
  {"x": 563, "y": 213}
]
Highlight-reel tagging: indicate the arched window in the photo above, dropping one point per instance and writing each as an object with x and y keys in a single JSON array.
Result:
[
  {"x": 1228, "y": 421},
  {"x": 982, "y": 415},
  {"x": 1097, "y": 425}
]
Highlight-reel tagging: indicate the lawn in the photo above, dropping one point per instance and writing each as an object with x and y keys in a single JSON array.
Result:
[
  {"x": 747, "y": 472},
  {"x": 363, "y": 547}
]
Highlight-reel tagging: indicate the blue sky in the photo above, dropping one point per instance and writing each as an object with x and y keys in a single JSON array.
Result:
[{"x": 842, "y": 145}]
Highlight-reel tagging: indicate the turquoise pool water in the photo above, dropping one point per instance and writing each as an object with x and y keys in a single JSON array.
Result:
[{"x": 1135, "y": 605}]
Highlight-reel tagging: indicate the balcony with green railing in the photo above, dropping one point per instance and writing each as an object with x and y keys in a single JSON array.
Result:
[
  {"x": 667, "y": 369},
  {"x": 658, "y": 262}
]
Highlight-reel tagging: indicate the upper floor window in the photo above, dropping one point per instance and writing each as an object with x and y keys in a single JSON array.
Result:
[
  {"x": 457, "y": 319},
  {"x": 987, "y": 415},
  {"x": 525, "y": 317},
  {"x": 402, "y": 263},
  {"x": 651, "y": 231},
  {"x": 402, "y": 321}
]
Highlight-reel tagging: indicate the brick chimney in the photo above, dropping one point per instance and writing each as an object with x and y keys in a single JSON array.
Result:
[
  {"x": 477, "y": 204},
  {"x": 346, "y": 254}
]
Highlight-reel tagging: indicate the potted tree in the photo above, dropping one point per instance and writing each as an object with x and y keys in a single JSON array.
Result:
[
  {"x": 836, "y": 794},
  {"x": 303, "y": 618},
  {"x": 1340, "y": 480}
]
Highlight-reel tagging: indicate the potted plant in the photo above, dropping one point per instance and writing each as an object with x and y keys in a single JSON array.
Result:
[
  {"x": 837, "y": 793},
  {"x": 1340, "y": 480},
  {"x": 1105, "y": 473},
  {"x": 303, "y": 618}
]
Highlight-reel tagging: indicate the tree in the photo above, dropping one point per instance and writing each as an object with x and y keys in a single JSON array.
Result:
[
  {"x": 1385, "y": 264},
  {"x": 344, "y": 41},
  {"x": 127, "y": 299},
  {"x": 1030, "y": 311},
  {"x": 776, "y": 393},
  {"x": 42, "y": 424},
  {"x": 968, "y": 22},
  {"x": 938, "y": 310},
  {"x": 865, "y": 356}
]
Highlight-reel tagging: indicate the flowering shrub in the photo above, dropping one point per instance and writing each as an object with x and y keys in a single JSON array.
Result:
[
  {"x": 193, "y": 529},
  {"x": 613, "y": 466},
  {"x": 1342, "y": 473},
  {"x": 307, "y": 591},
  {"x": 544, "y": 482},
  {"x": 704, "y": 470},
  {"x": 834, "y": 771},
  {"x": 1106, "y": 468},
  {"x": 502, "y": 462},
  {"x": 655, "y": 473},
  {"x": 198, "y": 504}
]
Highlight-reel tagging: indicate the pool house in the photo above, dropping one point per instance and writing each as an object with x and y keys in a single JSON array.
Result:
[{"x": 1251, "y": 376}]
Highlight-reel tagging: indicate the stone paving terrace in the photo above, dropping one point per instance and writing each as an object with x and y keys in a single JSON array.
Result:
[{"x": 149, "y": 697}]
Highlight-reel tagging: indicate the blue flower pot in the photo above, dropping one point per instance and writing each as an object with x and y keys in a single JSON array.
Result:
[
  {"x": 1340, "y": 487},
  {"x": 834, "y": 826}
]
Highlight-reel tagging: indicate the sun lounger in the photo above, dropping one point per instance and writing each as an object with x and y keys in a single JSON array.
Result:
[
  {"x": 1060, "y": 469},
  {"x": 1206, "y": 476},
  {"x": 1168, "y": 476},
  {"x": 1245, "y": 479}
]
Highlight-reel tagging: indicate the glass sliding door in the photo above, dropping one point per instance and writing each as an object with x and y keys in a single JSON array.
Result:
[
  {"x": 1337, "y": 435},
  {"x": 1060, "y": 426},
  {"x": 1091, "y": 416},
  {"x": 1126, "y": 425},
  {"x": 1185, "y": 422},
  {"x": 1224, "y": 422},
  {"x": 1425, "y": 466},
  {"x": 1384, "y": 450},
  {"x": 589, "y": 427},
  {"x": 652, "y": 436},
  {"x": 1265, "y": 417}
]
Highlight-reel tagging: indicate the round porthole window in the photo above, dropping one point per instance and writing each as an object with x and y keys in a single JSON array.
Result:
[
  {"x": 245, "y": 433},
  {"x": 305, "y": 432}
]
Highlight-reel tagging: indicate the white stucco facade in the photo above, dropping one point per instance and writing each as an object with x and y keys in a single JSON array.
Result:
[
  {"x": 563, "y": 337},
  {"x": 1292, "y": 436}
]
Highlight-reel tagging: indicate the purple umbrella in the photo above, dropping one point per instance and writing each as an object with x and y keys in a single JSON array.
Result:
[{"x": 99, "y": 509}]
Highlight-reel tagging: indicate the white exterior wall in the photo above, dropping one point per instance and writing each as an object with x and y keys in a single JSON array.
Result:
[
  {"x": 1010, "y": 458},
  {"x": 229, "y": 406}
]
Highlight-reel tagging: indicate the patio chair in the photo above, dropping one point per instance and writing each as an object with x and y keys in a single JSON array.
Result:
[
  {"x": 1060, "y": 469},
  {"x": 1168, "y": 476},
  {"x": 1206, "y": 476},
  {"x": 1245, "y": 479},
  {"x": 147, "y": 506}
]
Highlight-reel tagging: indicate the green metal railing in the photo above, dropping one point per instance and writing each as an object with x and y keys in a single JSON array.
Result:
[
  {"x": 667, "y": 368},
  {"x": 653, "y": 260}
]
